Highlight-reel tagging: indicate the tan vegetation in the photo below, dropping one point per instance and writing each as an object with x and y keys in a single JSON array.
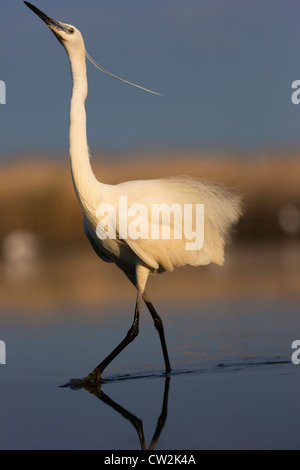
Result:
[{"x": 36, "y": 194}]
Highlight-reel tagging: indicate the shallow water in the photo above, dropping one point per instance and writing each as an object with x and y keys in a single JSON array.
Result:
[{"x": 232, "y": 385}]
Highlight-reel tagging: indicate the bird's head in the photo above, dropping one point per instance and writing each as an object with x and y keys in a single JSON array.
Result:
[
  {"x": 72, "y": 40},
  {"x": 69, "y": 36}
]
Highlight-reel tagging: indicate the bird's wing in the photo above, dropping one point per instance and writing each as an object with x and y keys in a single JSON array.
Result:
[
  {"x": 165, "y": 242},
  {"x": 221, "y": 210}
]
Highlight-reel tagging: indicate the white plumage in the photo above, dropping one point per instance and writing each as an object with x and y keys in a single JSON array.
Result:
[
  {"x": 141, "y": 256},
  {"x": 222, "y": 210}
]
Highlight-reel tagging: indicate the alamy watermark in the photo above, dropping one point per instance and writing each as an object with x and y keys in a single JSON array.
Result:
[
  {"x": 153, "y": 221},
  {"x": 2, "y": 352},
  {"x": 295, "y": 97},
  {"x": 2, "y": 92},
  {"x": 296, "y": 354}
]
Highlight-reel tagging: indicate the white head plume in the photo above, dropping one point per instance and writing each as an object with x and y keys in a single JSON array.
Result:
[{"x": 118, "y": 78}]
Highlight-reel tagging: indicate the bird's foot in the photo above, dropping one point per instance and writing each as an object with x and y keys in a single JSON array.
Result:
[
  {"x": 93, "y": 377},
  {"x": 91, "y": 380}
]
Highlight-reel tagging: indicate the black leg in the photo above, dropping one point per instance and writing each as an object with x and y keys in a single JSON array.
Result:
[
  {"x": 160, "y": 328},
  {"x": 131, "y": 335}
]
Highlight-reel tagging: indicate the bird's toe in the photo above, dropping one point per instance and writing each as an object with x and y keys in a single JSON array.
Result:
[{"x": 94, "y": 378}]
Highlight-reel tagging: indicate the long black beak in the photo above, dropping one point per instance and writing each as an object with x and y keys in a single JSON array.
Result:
[{"x": 49, "y": 21}]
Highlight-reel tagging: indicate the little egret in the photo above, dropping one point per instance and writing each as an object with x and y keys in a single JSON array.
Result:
[{"x": 138, "y": 256}]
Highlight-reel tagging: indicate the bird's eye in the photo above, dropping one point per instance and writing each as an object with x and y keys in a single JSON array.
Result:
[{"x": 71, "y": 30}]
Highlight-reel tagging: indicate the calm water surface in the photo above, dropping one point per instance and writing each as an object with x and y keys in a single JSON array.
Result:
[{"x": 232, "y": 386}]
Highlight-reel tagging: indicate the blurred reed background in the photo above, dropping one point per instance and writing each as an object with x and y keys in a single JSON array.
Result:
[
  {"x": 46, "y": 262},
  {"x": 226, "y": 73}
]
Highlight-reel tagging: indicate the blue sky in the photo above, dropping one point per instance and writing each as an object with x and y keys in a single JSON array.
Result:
[{"x": 225, "y": 69}]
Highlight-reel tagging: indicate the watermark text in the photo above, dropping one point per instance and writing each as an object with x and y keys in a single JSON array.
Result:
[
  {"x": 2, "y": 92},
  {"x": 2, "y": 352},
  {"x": 296, "y": 94},
  {"x": 296, "y": 354},
  {"x": 153, "y": 221}
]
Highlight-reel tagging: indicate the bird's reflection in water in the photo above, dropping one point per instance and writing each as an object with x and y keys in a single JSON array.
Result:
[{"x": 135, "y": 421}]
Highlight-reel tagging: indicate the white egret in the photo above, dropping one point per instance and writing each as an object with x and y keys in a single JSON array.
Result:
[{"x": 137, "y": 257}]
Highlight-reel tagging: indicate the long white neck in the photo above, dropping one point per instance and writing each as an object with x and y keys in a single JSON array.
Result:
[{"x": 83, "y": 178}]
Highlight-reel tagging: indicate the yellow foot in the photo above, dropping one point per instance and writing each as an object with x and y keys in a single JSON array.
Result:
[{"x": 93, "y": 379}]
